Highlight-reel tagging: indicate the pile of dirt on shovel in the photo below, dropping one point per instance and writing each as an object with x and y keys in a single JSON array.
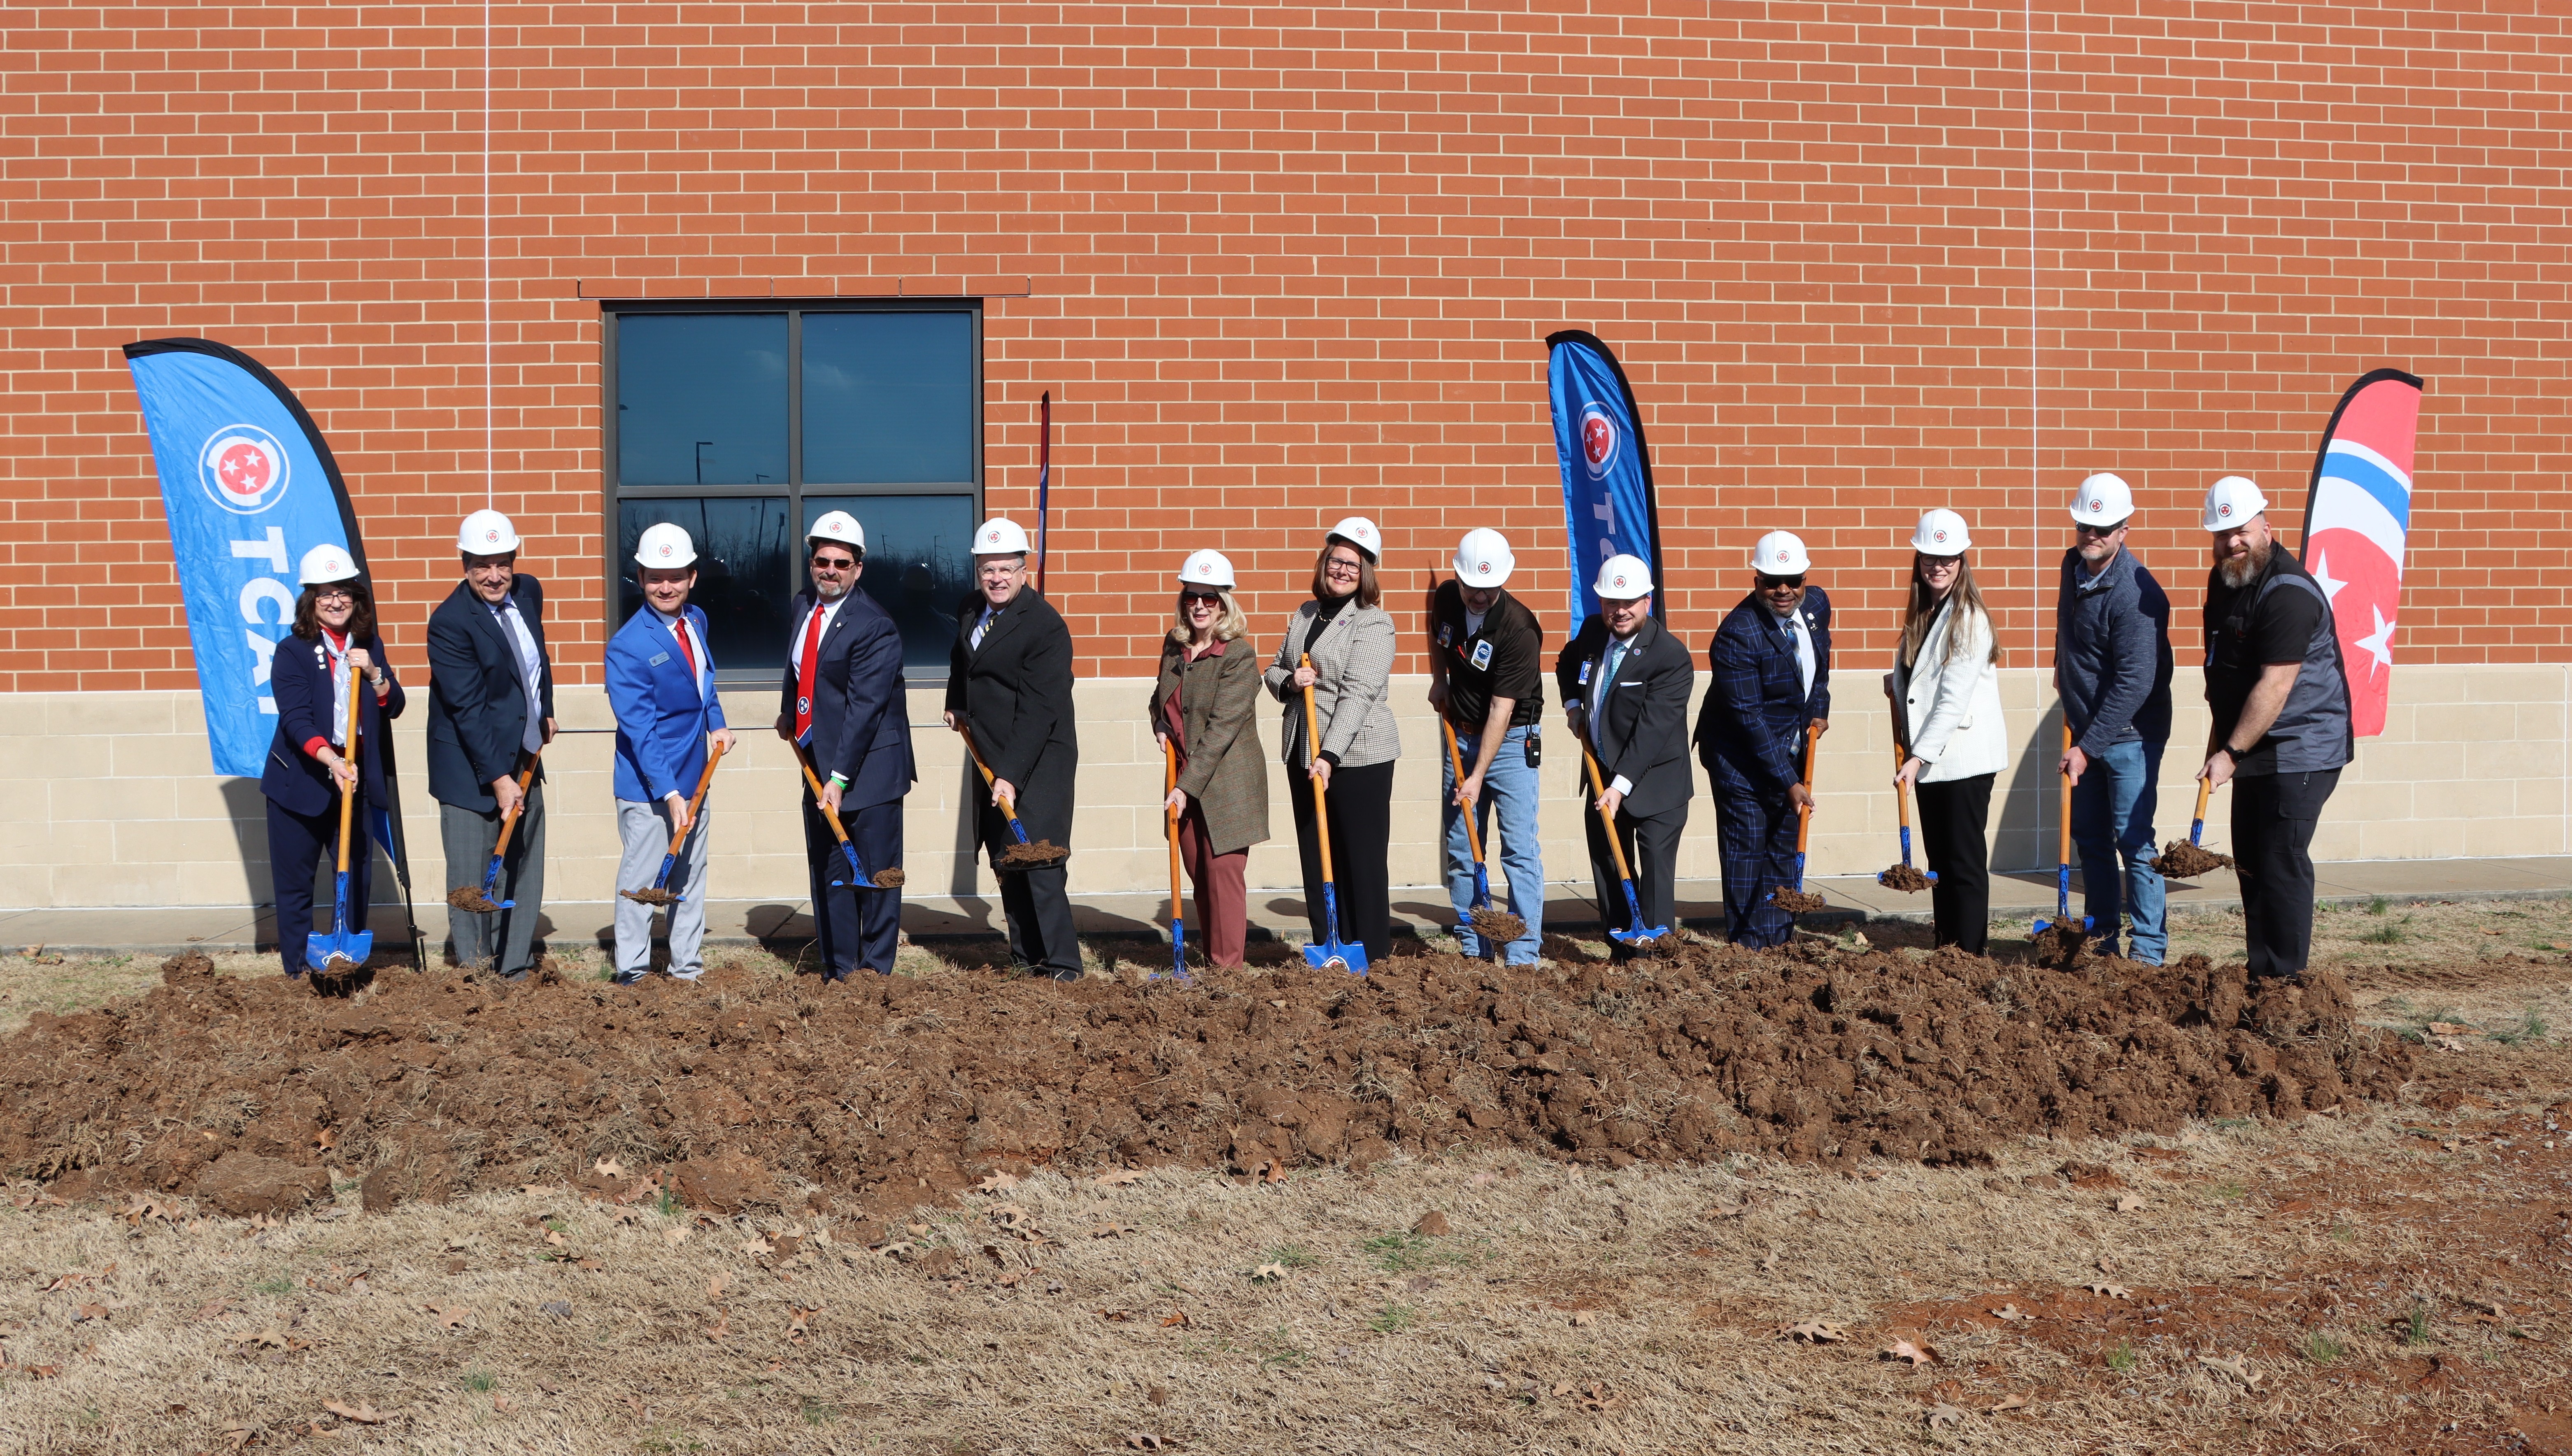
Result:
[{"x": 875, "y": 1095}]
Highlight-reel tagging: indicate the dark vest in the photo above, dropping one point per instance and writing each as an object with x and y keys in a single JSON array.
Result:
[{"x": 2313, "y": 730}]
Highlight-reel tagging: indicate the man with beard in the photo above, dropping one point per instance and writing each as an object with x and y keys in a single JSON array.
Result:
[{"x": 2281, "y": 733}]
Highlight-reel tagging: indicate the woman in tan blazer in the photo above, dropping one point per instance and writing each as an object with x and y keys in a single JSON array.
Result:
[
  {"x": 1205, "y": 706},
  {"x": 1351, "y": 643}
]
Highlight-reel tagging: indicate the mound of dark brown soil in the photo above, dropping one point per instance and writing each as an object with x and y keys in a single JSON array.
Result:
[
  {"x": 1036, "y": 854},
  {"x": 1796, "y": 902},
  {"x": 2181, "y": 859},
  {"x": 1903, "y": 877},
  {"x": 1496, "y": 927},
  {"x": 887, "y": 1090}
]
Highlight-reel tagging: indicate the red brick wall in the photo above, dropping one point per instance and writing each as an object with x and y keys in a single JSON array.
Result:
[{"x": 1282, "y": 263}]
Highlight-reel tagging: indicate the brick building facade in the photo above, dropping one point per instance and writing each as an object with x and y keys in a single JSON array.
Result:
[{"x": 1278, "y": 265}]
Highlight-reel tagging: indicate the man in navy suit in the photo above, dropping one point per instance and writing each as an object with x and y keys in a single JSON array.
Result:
[
  {"x": 1771, "y": 695},
  {"x": 661, "y": 686},
  {"x": 844, "y": 704},
  {"x": 491, "y": 712}
]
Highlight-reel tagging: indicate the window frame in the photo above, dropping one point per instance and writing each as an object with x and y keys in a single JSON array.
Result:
[{"x": 613, "y": 494}]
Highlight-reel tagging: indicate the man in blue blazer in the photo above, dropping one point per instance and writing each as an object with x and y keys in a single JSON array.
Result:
[
  {"x": 844, "y": 702},
  {"x": 1771, "y": 695},
  {"x": 491, "y": 711},
  {"x": 661, "y": 686}
]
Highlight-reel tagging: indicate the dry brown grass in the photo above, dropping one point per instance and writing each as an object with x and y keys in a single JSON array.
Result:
[{"x": 1563, "y": 1310}]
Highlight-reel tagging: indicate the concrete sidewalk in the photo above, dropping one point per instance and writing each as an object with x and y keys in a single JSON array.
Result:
[{"x": 1275, "y": 915}]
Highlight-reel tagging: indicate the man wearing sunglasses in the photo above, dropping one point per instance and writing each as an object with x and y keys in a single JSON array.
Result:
[
  {"x": 844, "y": 706},
  {"x": 2112, "y": 669},
  {"x": 1771, "y": 695}
]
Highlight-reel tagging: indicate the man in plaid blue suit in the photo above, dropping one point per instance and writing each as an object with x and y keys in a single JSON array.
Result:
[{"x": 1771, "y": 694}]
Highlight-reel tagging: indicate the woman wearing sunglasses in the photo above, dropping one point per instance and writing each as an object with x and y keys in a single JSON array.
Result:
[
  {"x": 1205, "y": 707},
  {"x": 1350, "y": 640},
  {"x": 1946, "y": 691}
]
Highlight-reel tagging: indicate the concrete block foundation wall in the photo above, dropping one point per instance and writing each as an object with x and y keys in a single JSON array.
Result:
[{"x": 109, "y": 798}]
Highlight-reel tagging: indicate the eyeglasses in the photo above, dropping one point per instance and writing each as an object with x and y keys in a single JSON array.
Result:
[
  {"x": 1193, "y": 597},
  {"x": 335, "y": 593},
  {"x": 1772, "y": 583},
  {"x": 1343, "y": 566},
  {"x": 2085, "y": 528},
  {"x": 834, "y": 564}
]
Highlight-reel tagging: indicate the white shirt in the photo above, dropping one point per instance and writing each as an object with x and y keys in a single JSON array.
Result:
[
  {"x": 825, "y": 610},
  {"x": 1609, "y": 662},
  {"x": 1803, "y": 648},
  {"x": 696, "y": 645},
  {"x": 531, "y": 670},
  {"x": 335, "y": 651}
]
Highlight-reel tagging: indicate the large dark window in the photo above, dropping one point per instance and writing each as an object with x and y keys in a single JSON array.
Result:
[{"x": 746, "y": 423}]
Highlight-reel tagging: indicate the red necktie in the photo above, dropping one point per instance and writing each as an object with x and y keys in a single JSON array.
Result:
[
  {"x": 805, "y": 668},
  {"x": 688, "y": 652}
]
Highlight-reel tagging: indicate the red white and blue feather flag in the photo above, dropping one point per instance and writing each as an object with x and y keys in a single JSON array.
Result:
[{"x": 2357, "y": 518}]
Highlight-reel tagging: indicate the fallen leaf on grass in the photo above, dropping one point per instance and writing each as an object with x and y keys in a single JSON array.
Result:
[
  {"x": 1583, "y": 1318},
  {"x": 1118, "y": 1178},
  {"x": 1145, "y": 1441},
  {"x": 608, "y": 1165},
  {"x": 1272, "y": 1171},
  {"x": 757, "y": 1247},
  {"x": 1812, "y": 1331},
  {"x": 2128, "y": 1202},
  {"x": 1177, "y": 1319},
  {"x": 268, "y": 1336},
  {"x": 365, "y": 1415},
  {"x": 1918, "y": 1355},
  {"x": 1117, "y": 1316},
  {"x": 674, "y": 1236},
  {"x": 997, "y": 1183},
  {"x": 2009, "y": 1402},
  {"x": 722, "y": 1327},
  {"x": 2236, "y": 1366},
  {"x": 2012, "y": 1313},
  {"x": 2106, "y": 1290},
  {"x": 501, "y": 1403},
  {"x": 1723, "y": 1209},
  {"x": 448, "y": 1316},
  {"x": 1268, "y": 1274},
  {"x": 1111, "y": 1231},
  {"x": 800, "y": 1324},
  {"x": 2454, "y": 1029},
  {"x": 1943, "y": 1414},
  {"x": 88, "y": 1313},
  {"x": 715, "y": 1288}
]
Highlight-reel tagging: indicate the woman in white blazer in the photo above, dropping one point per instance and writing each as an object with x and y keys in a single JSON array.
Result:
[{"x": 1946, "y": 692}]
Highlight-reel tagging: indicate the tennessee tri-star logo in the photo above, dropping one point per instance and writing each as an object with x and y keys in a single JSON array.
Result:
[
  {"x": 1597, "y": 440},
  {"x": 244, "y": 468}
]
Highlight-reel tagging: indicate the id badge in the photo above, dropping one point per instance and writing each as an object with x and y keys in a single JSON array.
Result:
[
  {"x": 1586, "y": 663},
  {"x": 1446, "y": 634},
  {"x": 1482, "y": 657}
]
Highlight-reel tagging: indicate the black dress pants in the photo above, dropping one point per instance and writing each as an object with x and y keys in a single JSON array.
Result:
[
  {"x": 2274, "y": 816},
  {"x": 1652, "y": 849},
  {"x": 1036, "y": 903},
  {"x": 853, "y": 926},
  {"x": 1361, "y": 805},
  {"x": 1953, "y": 816},
  {"x": 297, "y": 846}
]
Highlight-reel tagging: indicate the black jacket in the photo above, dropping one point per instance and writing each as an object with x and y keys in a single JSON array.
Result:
[
  {"x": 1016, "y": 690},
  {"x": 477, "y": 707},
  {"x": 861, "y": 720},
  {"x": 1642, "y": 731},
  {"x": 300, "y": 678}
]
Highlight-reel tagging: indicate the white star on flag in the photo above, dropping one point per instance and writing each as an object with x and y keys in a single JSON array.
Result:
[
  {"x": 2379, "y": 646},
  {"x": 2321, "y": 574}
]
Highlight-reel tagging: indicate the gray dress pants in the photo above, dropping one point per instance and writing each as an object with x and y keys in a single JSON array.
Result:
[
  {"x": 504, "y": 938},
  {"x": 645, "y": 830}
]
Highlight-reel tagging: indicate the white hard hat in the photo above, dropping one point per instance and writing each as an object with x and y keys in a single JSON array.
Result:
[
  {"x": 487, "y": 534},
  {"x": 1941, "y": 532},
  {"x": 1484, "y": 558},
  {"x": 1780, "y": 554},
  {"x": 999, "y": 537},
  {"x": 1206, "y": 568},
  {"x": 665, "y": 545},
  {"x": 2230, "y": 501},
  {"x": 325, "y": 564},
  {"x": 2101, "y": 500},
  {"x": 1360, "y": 532},
  {"x": 840, "y": 526},
  {"x": 1622, "y": 578}
]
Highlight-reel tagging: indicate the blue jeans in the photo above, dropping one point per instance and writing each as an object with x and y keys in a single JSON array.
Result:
[
  {"x": 1510, "y": 785},
  {"x": 2112, "y": 815}
]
